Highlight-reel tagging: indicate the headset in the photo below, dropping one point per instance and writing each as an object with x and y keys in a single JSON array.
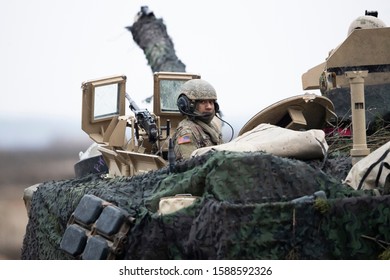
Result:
[{"x": 187, "y": 106}]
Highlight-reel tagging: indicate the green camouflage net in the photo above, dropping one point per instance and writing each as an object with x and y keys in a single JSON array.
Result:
[
  {"x": 377, "y": 104},
  {"x": 244, "y": 212}
]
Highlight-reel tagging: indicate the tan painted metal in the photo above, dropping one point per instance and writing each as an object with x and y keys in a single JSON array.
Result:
[
  {"x": 363, "y": 47},
  {"x": 359, "y": 149},
  {"x": 166, "y": 91},
  {"x": 104, "y": 119},
  {"x": 301, "y": 112},
  {"x": 98, "y": 126}
]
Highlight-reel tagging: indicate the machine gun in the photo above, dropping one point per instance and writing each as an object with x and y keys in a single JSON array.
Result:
[
  {"x": 144, "y": 120},
  {"x": 105, "y": 121}
]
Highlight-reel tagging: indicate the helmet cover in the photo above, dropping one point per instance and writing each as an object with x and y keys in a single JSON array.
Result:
[{"x": 198, "y": 89}]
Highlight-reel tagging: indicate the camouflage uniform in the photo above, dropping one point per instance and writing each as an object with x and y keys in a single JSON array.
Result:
[
  {"x": 190, "y": 135},
  {"x": 197, "y": 130}
]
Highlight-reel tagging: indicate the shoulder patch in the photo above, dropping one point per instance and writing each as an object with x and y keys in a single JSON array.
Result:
[{"x": 184, "y": 139}]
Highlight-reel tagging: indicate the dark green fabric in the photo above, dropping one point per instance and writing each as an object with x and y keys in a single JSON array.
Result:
[{"x": 244, "y": 212}]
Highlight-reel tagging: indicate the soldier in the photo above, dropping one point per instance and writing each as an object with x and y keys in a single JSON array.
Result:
[{"x": 198, "y": 102}]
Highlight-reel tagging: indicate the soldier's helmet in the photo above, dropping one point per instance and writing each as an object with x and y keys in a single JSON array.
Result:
[
  {"x": 198, "y": 89},
  {"x": 366, "y": 22}
]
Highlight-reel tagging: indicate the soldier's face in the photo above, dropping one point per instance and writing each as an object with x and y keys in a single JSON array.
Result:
[{"x": 205, "y": 106}]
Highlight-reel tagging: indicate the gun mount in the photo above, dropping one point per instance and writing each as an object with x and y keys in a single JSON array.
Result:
[
  {"x": 145, "y": 121},
  {"x": 138, "y": 142}
]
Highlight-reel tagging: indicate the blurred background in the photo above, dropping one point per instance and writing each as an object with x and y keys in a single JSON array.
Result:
[
  {"x": 19, "y": 169},
  {"x": 253, "y": 53}
]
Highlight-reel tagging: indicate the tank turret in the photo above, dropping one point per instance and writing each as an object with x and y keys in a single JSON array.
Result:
[{"x": 365, "y": 49}]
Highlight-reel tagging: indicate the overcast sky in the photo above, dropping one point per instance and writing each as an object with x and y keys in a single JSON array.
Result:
[{"x": 253, "y": 52}]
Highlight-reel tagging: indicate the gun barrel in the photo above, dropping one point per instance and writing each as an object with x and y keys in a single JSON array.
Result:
[
  {"x": 144, "y": 119},
  {"x": 133, "y": 106}
]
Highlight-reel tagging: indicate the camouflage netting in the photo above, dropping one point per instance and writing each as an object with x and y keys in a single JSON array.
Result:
[
  {"x": 377, "y": 102},
  {"x": 244, "y": 212}
]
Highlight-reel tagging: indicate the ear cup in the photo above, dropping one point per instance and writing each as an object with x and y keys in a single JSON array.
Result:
[
  {"x": 185, "y": 104},
  {"x": 216, "y": 107},
  {"x": 192, "y": 106}
]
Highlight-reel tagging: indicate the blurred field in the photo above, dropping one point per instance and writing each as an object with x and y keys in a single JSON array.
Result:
[{"x": 21, "y": 169}]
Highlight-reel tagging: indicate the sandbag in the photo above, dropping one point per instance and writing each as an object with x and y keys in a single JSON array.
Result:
[
  {"x": 372, "y": 171},
  {"x": 279, "y": 141}
]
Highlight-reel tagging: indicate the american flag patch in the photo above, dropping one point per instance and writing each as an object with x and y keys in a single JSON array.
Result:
[{"x": 184, "y": 139}]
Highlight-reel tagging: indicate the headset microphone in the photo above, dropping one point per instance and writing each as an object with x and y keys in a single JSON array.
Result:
[{"x": 187, "y": 107}]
